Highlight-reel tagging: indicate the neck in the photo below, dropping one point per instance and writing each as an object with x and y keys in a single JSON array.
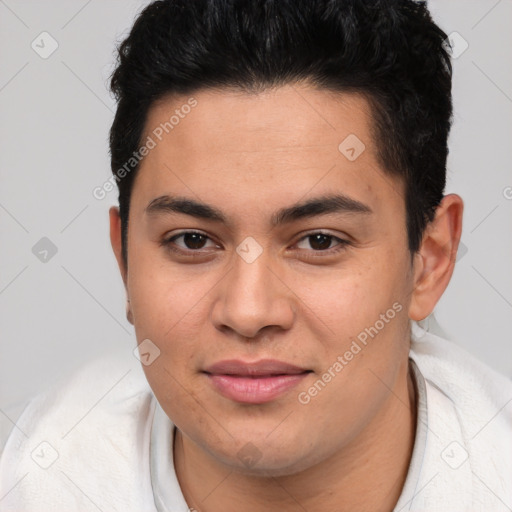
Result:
[{"x": 368, "y": 474}]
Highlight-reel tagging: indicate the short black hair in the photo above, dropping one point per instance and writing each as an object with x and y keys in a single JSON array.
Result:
[{"x": 391, "y": 51}]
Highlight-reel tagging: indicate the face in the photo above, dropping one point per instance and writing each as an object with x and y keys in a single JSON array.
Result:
[{"x": 268, "y": 263}]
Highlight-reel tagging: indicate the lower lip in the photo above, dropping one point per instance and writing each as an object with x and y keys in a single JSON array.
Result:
[{"x": 254, "y": 390}]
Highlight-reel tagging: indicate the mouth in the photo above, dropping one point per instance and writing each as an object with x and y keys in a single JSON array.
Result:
[{"x": 255, "y": 382}]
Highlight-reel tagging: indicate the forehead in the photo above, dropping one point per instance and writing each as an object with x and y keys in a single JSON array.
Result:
[
  {"x": 279, "y": 143},
  {"x": 291, "y": 117}
]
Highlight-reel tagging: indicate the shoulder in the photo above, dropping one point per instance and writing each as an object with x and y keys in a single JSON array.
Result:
[
  {"x": 461, "y": 376},
  {"x": 469, "y": 422},
  {"x": 84, "y": 439}
]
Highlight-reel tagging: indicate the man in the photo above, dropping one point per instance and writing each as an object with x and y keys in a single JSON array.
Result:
[{"x": 281, "y": 227}]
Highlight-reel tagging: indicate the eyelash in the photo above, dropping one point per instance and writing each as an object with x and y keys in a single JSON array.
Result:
[{"x": 341, "y": 245}]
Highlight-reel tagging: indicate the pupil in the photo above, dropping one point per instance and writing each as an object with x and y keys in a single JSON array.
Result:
[
  {"x": 194, "y": 240},
  {"x": 320, "y": 241}
]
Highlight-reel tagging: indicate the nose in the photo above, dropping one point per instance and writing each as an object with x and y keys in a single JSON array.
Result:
[{"x": 252, "y": 297}]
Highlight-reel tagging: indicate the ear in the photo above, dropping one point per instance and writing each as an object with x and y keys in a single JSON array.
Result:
[
  {"x": 115, "y": 240},
  {"x": 117, "y": 247},
  {"x": 435, "y": 261}
]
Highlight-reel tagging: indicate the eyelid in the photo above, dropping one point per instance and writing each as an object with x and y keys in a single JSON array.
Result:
[
  {"x": 169, "y": 239},
  {"x": 342, "y": 242}
]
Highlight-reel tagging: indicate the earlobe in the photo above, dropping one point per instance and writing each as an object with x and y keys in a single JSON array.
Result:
[
  {"x": 129, "y": 314},
  {"x": 435, "y": 261}
]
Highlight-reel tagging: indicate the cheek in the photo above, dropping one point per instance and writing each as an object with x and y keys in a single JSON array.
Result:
[
  {"x": 360, "y": 362},
  {"x": 364, "y": 318},
  {"x": 346, "y": 301},
  {"x": 164, "y": 300},
  {"x": 170, "y": 311},
  {"x": 182, "y": 398}
]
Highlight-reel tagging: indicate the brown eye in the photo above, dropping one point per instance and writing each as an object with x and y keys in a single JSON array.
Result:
[
  {"x": 320, "y": 241},
  {"x": 189, "y": 241},
  {"x": 194, "y": 240}
]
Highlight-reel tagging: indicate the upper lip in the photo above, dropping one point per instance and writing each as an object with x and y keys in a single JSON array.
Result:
[{"x": 254, "y": 368}]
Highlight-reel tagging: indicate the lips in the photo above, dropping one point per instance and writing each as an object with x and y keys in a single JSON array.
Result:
[{"x": 255, "y": 382}]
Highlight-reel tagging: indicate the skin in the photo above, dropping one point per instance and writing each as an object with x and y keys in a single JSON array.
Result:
[{"x": 250, "y": 155}]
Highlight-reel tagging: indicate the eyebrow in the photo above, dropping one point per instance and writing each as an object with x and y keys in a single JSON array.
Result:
[{"x": 322, "y": 205}]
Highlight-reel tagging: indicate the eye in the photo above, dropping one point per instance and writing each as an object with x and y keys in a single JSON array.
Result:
[
  {"x": 189, "y": 241},
  {"x": 321, "y": 242}
]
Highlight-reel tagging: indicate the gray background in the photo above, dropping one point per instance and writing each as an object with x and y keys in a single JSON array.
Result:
[{"x": 55, "y": 114}]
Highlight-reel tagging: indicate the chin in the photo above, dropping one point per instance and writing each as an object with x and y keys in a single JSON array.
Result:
[{"x": 273, "y": 460}]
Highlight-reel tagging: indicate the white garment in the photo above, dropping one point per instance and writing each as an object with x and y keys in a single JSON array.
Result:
[{"x": 101, "y": 441}]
